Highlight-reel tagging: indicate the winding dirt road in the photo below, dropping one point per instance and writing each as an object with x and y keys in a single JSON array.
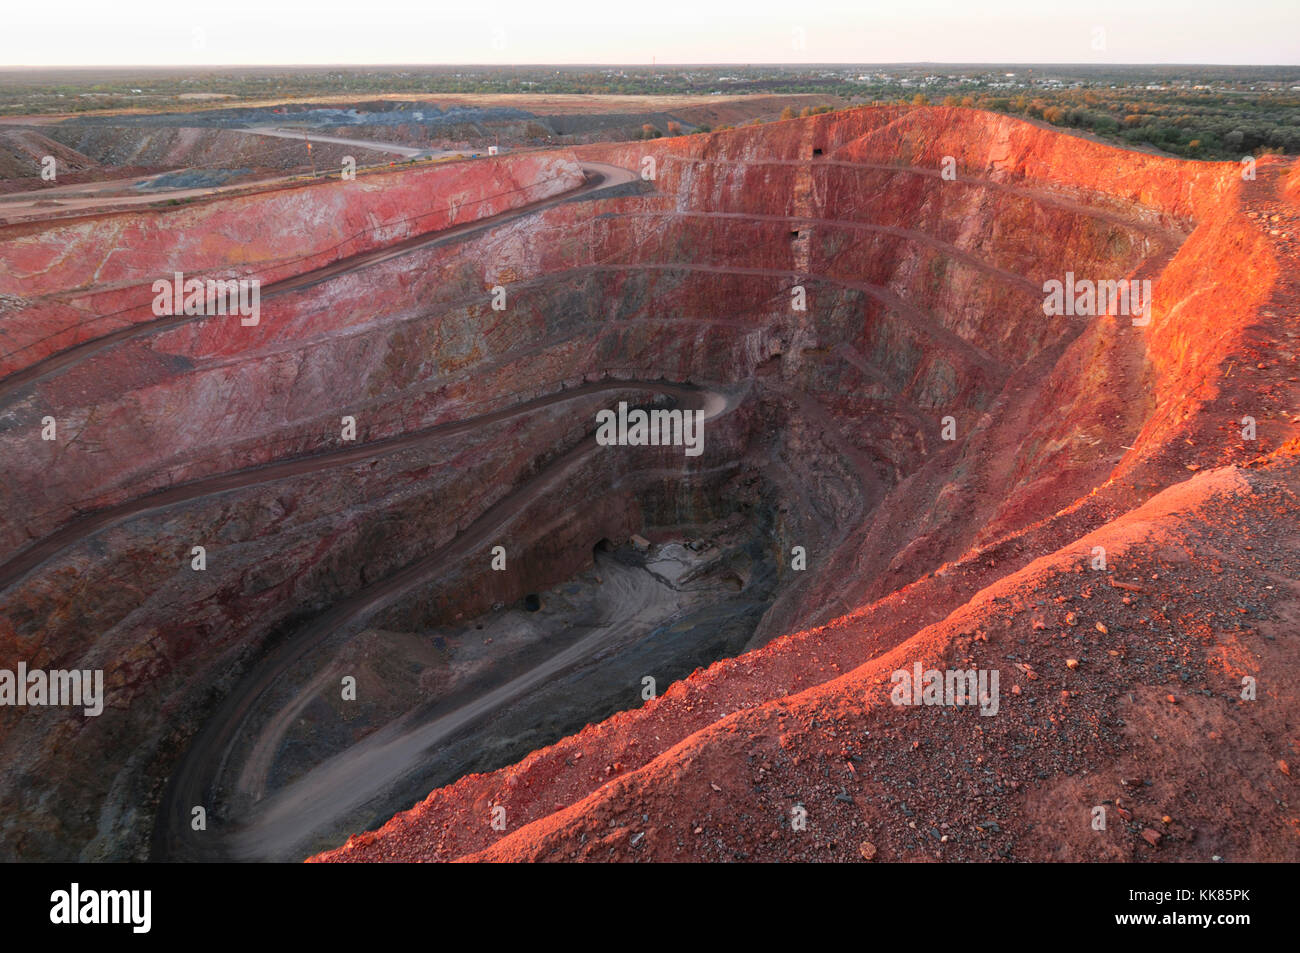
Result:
[
  {"x": 282, "y": 826},
  {"x": 27, "y": 560},
  {"x": 409, "y": 152},
  {"x": 357, "y": 775},
  {"x": 600, "y": 177},
  {"x": 354, "y": 777}
]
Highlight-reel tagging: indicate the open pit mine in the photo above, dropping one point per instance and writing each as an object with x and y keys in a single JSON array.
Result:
[{"x": 888, "y": 484}]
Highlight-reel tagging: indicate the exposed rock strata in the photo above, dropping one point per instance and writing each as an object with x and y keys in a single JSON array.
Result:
[{"x": 923, "y": 301}]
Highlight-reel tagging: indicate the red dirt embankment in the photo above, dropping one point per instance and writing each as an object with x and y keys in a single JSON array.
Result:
[
  {"x": 1155, "y": 692},
  {"x": 1293, "y": 185},
  {"x": 83, "y": 278}
]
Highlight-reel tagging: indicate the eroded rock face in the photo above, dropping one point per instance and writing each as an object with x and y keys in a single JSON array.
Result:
[{"x": 902, "y": 409}]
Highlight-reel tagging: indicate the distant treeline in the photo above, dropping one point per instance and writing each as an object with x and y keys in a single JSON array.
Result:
[
  {"x": 1237, "y": 111},
  {"x": 1193, "y": 125}
]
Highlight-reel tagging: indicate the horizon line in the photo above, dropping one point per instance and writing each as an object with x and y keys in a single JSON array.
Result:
[{"x": 653, "y": 65}]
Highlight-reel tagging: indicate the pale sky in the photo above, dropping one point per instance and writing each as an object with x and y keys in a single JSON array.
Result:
[{"x": 240, "y": 32}]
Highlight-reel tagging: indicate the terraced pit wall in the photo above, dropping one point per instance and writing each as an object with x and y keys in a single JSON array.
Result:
[{"x": 923, "y": 301}]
